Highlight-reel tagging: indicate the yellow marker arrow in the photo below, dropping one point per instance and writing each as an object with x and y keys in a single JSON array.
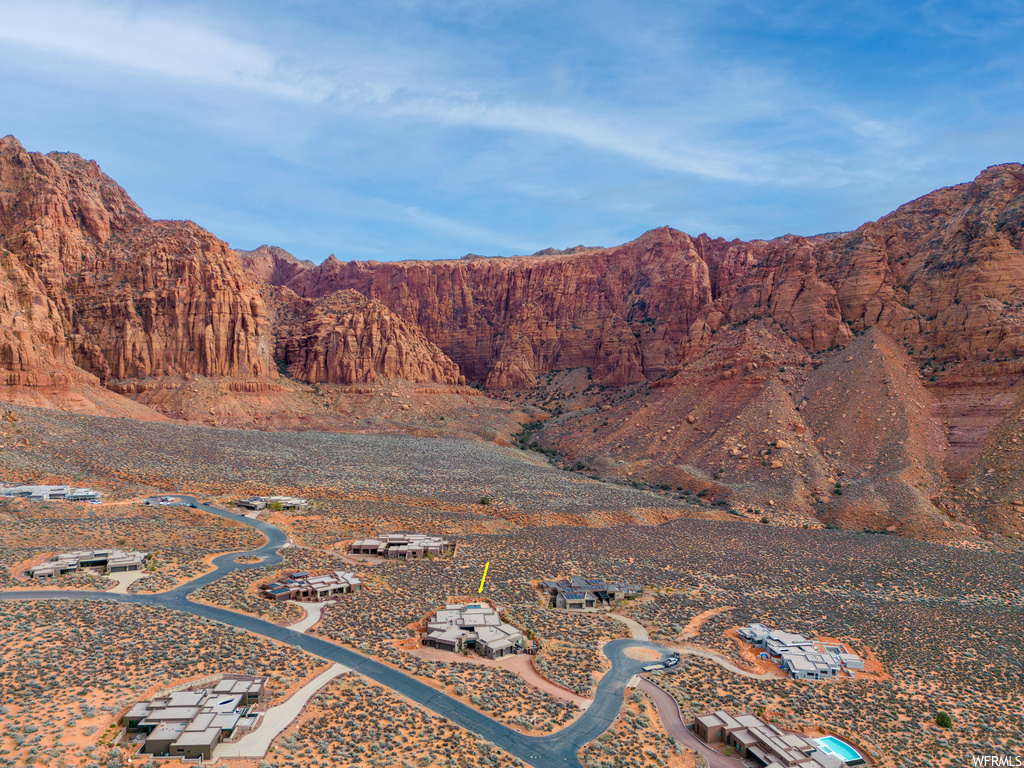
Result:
[{"x": 486, "y": 566}]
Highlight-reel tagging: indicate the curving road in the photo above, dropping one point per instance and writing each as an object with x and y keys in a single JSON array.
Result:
[{"x": 554, "y": 751}]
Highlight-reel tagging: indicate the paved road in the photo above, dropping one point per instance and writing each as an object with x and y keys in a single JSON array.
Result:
[{"x": 554, "y": 751}]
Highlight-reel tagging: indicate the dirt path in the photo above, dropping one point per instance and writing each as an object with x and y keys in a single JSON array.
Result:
[
  {"x": 693, "y": 626},
  {"x": 521, "y": 664}
]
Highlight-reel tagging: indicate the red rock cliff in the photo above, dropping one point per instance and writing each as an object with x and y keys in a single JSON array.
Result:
[
  {"x": 346, "y": 338},
  {"x": 91, "y": 284},
  {"x": 944, "y": 275}
]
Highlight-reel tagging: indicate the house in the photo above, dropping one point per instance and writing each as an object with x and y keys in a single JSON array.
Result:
[
  {"x": 578, "y": 593},
  {"x": 575, "y": 600},
  {"x": 402, "y": 545},
  {"x": 107, "y": 560},
  {"x": 755, "y": 634},
  {"x": 764, "y": 743},
  {"x": 190, "y": 723},
  {"x": 477, "y": 625},
  {"x": 804, "y": 659},
  {"x": 258, "y": 503},
  {"x": 301, "y": 586},
  {"x": 50, "y": 493}
]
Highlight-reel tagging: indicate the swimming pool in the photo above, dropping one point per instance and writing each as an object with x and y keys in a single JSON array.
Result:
[{"x": 833, "y": 746}]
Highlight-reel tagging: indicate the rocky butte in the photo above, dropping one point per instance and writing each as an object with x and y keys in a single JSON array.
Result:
[
  {"x": 870, "y": 379},
  {"x": 95, "y": 292}
]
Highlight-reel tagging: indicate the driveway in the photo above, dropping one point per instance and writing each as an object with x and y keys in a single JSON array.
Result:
[
  {"x": 668, "y": 711},
  {"x": 555, "y": 751}
]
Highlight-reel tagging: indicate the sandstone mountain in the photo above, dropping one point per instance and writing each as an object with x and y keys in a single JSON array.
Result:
[
  {"x": 346, "y": 338},
  {"x": 943, "y": 275},
  {"x": 713, "y": 325},
  {"x": 94, "y": 292},
  {"x": 870, "y": 379}
]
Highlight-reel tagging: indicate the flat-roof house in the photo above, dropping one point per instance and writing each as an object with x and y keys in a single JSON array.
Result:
[
  {"x": 765, "y": 743},
  {"x": 107, "y": 560},
  {"x": 190, "y": 724},
  {"x": 301, "y": 586},
  {"x": 754, "y": 634},
  {"x": 50, "y": 492},
  {"x": 578, "y": 593},
  {"x": 575, "y": 600},
  {"x": 402, "y": 545},
  {"x": 804, "y": 659},
  {"x": 476, "y": 625}
]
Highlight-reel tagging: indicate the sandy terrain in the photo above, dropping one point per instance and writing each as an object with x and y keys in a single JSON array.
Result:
[
  {"x": 358, "y": 724},
  {"x": 693, "y": 626},
  {"x": 521, "y": 664},
  {"x": 643, "y": 654}
]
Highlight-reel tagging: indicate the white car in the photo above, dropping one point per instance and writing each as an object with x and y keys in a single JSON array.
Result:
[{"x": 94, "y": 501}]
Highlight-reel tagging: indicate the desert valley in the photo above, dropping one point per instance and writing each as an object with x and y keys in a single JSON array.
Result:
[{"x": 621, "y": 458}]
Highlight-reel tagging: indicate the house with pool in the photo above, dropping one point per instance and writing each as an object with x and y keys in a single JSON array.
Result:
[{"x": 765, "y": 744}]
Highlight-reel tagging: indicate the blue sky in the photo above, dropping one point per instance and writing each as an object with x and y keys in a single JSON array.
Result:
[{"x": 422, "y": 129}]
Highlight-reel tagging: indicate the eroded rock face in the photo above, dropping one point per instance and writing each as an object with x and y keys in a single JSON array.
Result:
[
  {"x": 92, "y": 286},
  {"x": 345, "y": 338},
  {"x": 943, "y": 275},
  {"x": 272, "y": 265},
  {"x": 506, "y": 320}
]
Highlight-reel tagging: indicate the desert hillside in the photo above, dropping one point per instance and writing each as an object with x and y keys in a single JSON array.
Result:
[
  {"x": 98, "y": 302},
  {"x": 868, "y": 380}
]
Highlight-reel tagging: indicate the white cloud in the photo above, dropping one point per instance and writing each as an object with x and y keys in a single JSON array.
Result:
[
  {"x": 733, "y": 122},
  {"x": 141, "y": 39}
]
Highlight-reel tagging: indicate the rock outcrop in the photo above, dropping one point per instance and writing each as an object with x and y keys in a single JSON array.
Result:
[
  {"x": 92, "y": 287},
  {"x": 272, "y": 265},
  {"x": 943, "y": 275},
  {"x": 94, "y": 292},
  {"x": 346, "y": 338}
]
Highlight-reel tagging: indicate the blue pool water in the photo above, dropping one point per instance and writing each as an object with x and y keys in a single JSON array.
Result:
[{"x": 834, "y": 746}]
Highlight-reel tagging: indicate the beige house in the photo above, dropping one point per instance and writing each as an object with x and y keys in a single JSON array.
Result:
[
  {"x": 478, "y": 626},
  {"x": 190, "y": 723},
  {"x": 106, "y": 560},
  {"x": 402, "y": 545},
  {"x": 301, "y": 586},
  {"x": 765, "y": 743}
]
